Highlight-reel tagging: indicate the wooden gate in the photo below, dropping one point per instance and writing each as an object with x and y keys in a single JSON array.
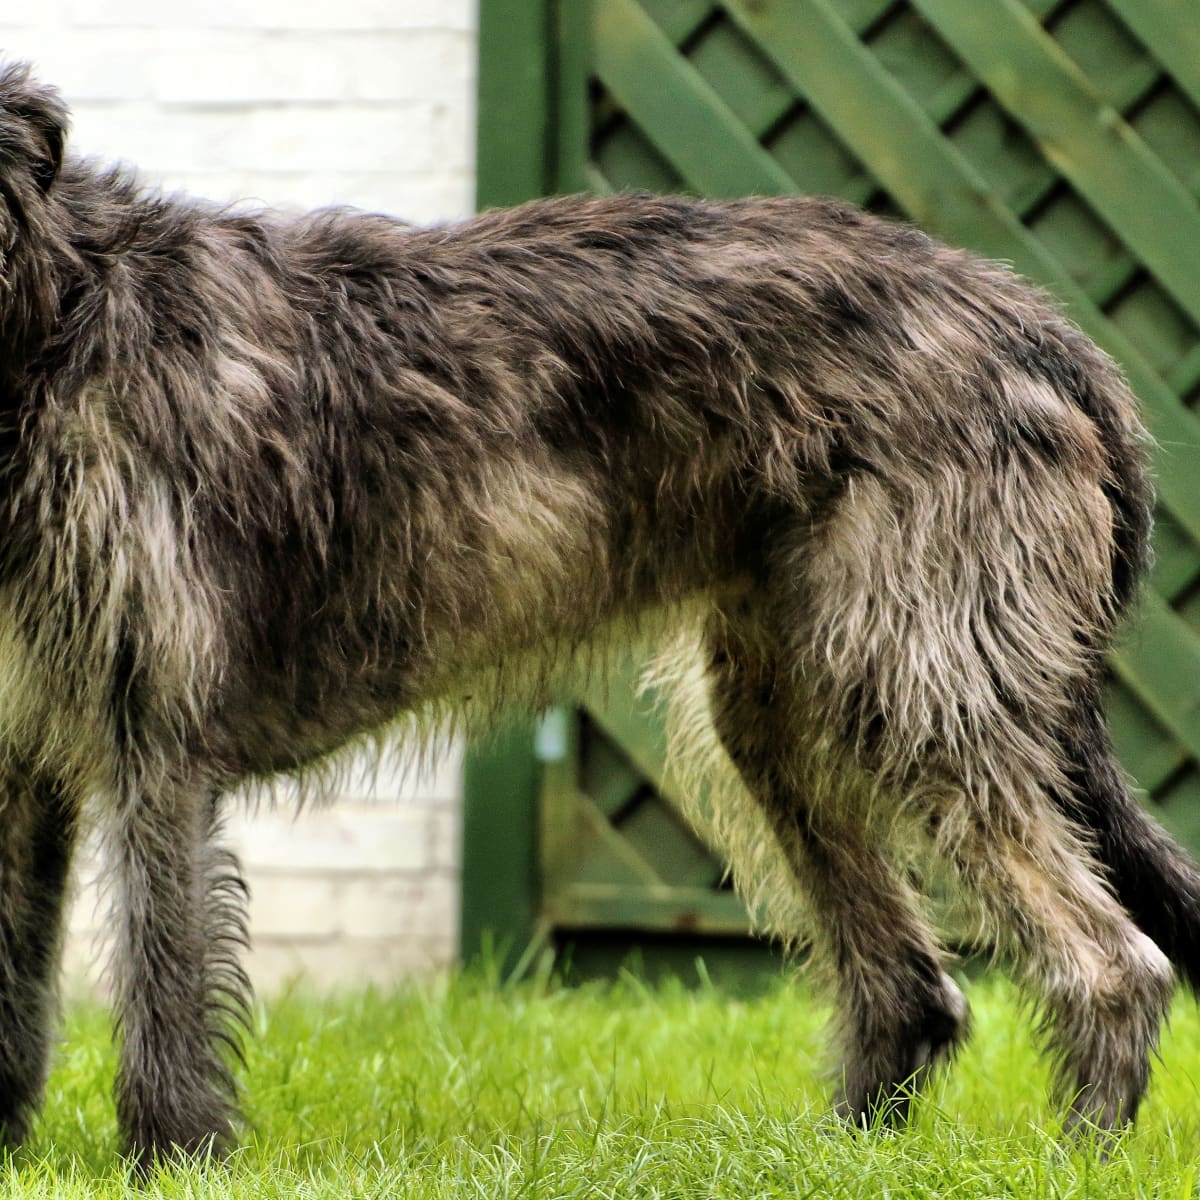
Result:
[{"x": 1063, "y": 137}]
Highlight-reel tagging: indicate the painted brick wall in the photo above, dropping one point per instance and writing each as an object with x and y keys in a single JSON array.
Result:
[{"x": 295, "y": 103}]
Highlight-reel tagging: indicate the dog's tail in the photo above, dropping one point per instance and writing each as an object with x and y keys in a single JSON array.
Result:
[{"x": 1155, "y": 880}]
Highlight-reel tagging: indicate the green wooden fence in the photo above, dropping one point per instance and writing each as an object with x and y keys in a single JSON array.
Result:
[{"x": 1063, "y": 137}]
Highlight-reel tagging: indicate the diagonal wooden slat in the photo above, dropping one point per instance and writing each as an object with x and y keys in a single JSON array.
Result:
[
  {"x": 592, "y": 835},
  {"x": 677, "y": 109},
  {"x": 1160, "y": 663},
  {"x": 735, "y": 70},
  {"x": 1170, "y": 30},
  {"x": 606, "y": 774},
  {"x": 1150, "y": 753},
  {"x": 1185, "y": 374},
  {"x": 638, "y": 728},
  {"x": 594, "y": 181},
  {"x": 1176, "y": 560},
  {"x": 1025, "y": 194},
  {"x": 1028, "y": 191},
  {"x": 941, "y": 106},
  {"x": 1081, "y": 134},
  {"x": 635, "y": 719},
  {"x": 662, "y": 836},
  {"x": 943, "y": 192},
  {"x": 678, "y": 19}
]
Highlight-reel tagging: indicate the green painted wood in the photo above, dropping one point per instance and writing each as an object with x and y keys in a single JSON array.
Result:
[
  {"x": 1176, "y": 566},
  {"x": 678, "y": 19},
  {"x": 905, "y": 48},
  {"x": 691, "y": 126},
  {"x": 658, "y": 833},
  {"x": 1171, "y": 30},
  {"x": 572, "y": 25},
  {"x": 942, "y": 191},
  {"x": 636, "y": 725},
  {"x": 736, "y": 71},
  {"x": 1179, "y": 808},
  {"x": 1042, "y": 8},
  {"x": 512, "y": 126},
  {"x": 1011, "y": 164},
  {"x": 501, "y": 777},
  {"x": 579, "y": 845},
  {"x": 1083, "y": 247},
  {"x": 501, "y": 781},
  {"x": 818, "y": 162},
  {"x": 1185, "y": 376},
  {"x": 1188, "y": 609},
  {"x": 629, "y": 160},
  {"x": 1160, "y": 663},
  {"x": 640, "y": 846},
  {"x": 1148, "y": 751},
  {"x": 1114, "y": 62},
  {"x": 1169, "y": 124},
  {"x": 861, "y": 15},
  {"x": 1162, "y": 331},
  {"x": 1081, "y": 134},
  {"x": 685, "y": 910},
  {"x": 596, "y": 182},
  {"x": 812, "y": 157},
  {"x": 607, "y": 775},
  {"x": 1005, "y": 157}
]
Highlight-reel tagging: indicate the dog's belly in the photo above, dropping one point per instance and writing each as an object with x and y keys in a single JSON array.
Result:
[
  {"x": 45, "y": 717},
  {"x": 292, "y": 721},
  {"x": 295, "y": 719},
  {"x": 507, "y": 593}
]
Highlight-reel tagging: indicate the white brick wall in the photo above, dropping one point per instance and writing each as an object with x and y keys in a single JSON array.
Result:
[
  {"x": 364, "y": 102},
  {"x": 294, "y": 103}
]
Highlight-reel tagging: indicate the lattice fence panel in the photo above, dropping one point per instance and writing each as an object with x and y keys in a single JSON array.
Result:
[
  {"x": 1047, "y": 134},
  {"x": 1060, "y": 135},
  {"x": 615, "y": 851}
]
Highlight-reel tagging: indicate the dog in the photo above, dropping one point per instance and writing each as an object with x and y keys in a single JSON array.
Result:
[{"x": 268, "y": 485}]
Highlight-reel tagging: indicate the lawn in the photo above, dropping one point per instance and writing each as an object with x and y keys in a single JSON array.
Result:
[{"x": 468, "y": 1089}]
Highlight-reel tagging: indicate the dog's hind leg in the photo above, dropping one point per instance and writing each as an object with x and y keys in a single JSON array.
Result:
[
  {"x": 899, "y": 1014},
  {"x": 40, "y": 824},
  {"x": 944, "y": 638},
  {"x": 179, "y": 984},
  {"x": 1102, "y": 984}
]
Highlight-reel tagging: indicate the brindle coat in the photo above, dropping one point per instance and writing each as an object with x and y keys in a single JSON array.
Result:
[{"x": 268, "y": 484}]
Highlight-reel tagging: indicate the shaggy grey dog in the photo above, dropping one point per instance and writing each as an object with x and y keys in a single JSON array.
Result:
[{"x": 267, "y": 485}]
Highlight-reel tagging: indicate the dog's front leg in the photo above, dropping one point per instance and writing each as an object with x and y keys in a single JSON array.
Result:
[
  {"x": 40, "y": 821},
  {"x": 178, "y": 980}
]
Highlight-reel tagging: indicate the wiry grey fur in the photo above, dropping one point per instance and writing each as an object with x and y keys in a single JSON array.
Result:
[{"x": 268, "y": 485}]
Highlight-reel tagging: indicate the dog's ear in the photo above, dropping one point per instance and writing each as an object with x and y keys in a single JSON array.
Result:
[{"x": 33, "y": 123}]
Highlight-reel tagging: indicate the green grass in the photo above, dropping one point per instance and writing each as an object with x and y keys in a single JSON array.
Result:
[{"x": 466, "y": 1089}]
